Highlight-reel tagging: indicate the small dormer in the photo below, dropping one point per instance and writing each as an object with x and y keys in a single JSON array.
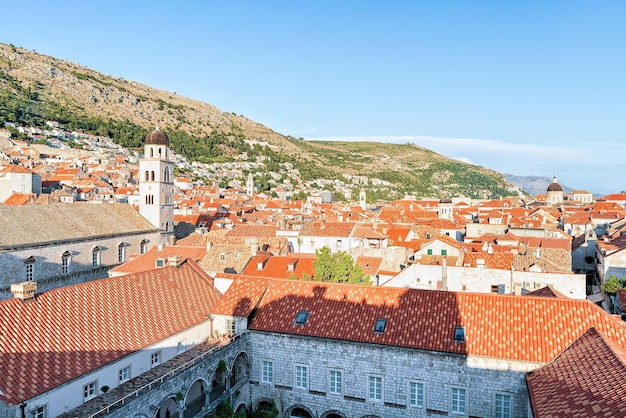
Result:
[
  {"x": 160, "y": 262},
  {"x": 291, "y": 266}
]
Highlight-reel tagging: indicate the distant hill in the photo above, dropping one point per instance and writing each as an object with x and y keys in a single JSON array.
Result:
[
  {"x": 35, "y": 88},
  {"x": 533, "y": 185}
]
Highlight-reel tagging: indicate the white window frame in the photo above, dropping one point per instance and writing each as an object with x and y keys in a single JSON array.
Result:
[
  {"x": 121, "y": 253},
  {"x": 301, "y": 376},
  {"x": 267, "y": 372},
  {"x": 66, "y": 260},
  {"x": 155, "y": 359},
  {"x": 455, "y": 406},
  {"x": 90, "y": 390},
  {"x": 40, "y": 411},
  {"x": 335, "y": 385},
  {"x": 372, "y": 394},
  {"x": 511, "y": 397},
  {"x": 420, "y": 386},
  {"x": 96, "y": 259},
  {"x": 123, "y": 375},
  {"x": 143, "y": 246},
  {"x": 29, "y": 271}
]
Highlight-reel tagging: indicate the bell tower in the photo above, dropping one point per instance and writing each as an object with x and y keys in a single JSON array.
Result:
[{"x": 156, "y": 184}]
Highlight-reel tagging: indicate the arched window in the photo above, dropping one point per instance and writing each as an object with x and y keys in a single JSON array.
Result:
[
  {"x": 121, "y": 253},
  {"x": 151, "y": 152},
  {"x": 66, "y": 258},
  {"x": 159, "y": 151},
  {"x": 152, "y": 175},
  {"x": 147, "y": 176},
  {"x": 95, "y": 257}
]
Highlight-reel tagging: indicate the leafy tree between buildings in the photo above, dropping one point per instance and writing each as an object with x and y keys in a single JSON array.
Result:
[{"x": 338, "y": 268}]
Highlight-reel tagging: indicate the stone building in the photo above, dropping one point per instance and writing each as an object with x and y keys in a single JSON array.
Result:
[
  {"x": 156, "y": 184},
  {"x": 60, "y": 244}
]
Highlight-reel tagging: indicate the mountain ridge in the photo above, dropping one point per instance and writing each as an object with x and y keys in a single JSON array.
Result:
[{"x": 53, "y": 88}]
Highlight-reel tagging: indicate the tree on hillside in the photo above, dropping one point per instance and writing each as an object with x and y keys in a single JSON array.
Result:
[{"x": 338, "y": 268}]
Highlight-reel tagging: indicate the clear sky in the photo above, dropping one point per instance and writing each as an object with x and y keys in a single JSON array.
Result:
[{"x": 528, "y": 87}]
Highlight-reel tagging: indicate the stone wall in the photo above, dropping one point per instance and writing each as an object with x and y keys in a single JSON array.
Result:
[
  {"x": 47, "y": 261},
  {"x": 397, "y": 366}
]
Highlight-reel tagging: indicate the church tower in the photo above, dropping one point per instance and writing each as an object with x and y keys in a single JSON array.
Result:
[{"x": 156, "y": 184}]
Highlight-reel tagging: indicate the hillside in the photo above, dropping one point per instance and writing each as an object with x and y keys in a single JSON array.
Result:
[{"x": 35, "y": 88}]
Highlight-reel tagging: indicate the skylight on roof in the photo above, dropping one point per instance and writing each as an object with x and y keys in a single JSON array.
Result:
[
  {"x": 459, "y": 334},
  {"x": 301, "y": 318},
  {"x": 379, "y": 328}
]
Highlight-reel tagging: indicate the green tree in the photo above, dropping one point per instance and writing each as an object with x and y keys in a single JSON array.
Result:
[
  {"x": 613, "y": 284},
  {"x": 338, "y": 268}
]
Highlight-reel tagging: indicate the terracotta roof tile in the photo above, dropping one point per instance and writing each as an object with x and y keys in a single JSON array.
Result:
[
  {"x": 586, "y": 380},
  {"x": 425, "y": 319},
  {"x": 70, "y": 331}
]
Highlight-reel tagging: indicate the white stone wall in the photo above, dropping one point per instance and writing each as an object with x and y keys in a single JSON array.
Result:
[
  {"x": 466, "y": 279},
  {"x": 439, "y": 372},
  {"x": 47, "y": 266},
  {"x": 70, "y": 395}
]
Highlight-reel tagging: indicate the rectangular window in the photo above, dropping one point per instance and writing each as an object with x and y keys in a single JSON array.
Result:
[
  {"x": 416, "y": 394},
  {"x": 379, "y": 328},
  {"x": 124, "y": 374},
  {"x": 267, "y": 371},
  {"x": 95, "y": 258},
  {"x": 29, "y": 272},
  {"x": 230, "y": 326},
  {"x": 301, "y": 318},
  {"x": 494, "y": 288},
  {"x": 89, "y": 391},
  {"x": 335, "y": 382},
  {"x": 429, "y": 252},
  {"x": 39, "y": 412},
  {"x": 503, "y": 405},
  {"x": 65, "y": 264},
  {"x": 302, "y": 381},
  {"x": 375, "y": 389},
  {"x": 155, "y": 359},
  {"x": 444, "y": 252},
  {"x": 458, "y": 401}
]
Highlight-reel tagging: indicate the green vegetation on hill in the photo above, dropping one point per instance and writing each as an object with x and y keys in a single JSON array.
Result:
[{"x": 35, "y": 88}]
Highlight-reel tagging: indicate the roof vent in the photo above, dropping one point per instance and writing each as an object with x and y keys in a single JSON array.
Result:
[{"x": 24, "y": 291}]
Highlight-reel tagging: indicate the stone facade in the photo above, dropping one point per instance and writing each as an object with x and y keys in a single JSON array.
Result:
[
  {"x": 439, "y": 373},
  {"x": 45, "y": 262}
]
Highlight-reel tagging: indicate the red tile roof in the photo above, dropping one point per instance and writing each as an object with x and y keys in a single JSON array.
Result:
[
  {"x": 587, "y": 380},
  {"x": 67, "y": 332},
  {"x": 530, "y": 329},
  {"x": 147, "y": 261},
  {"x": 241, "y": 297}
]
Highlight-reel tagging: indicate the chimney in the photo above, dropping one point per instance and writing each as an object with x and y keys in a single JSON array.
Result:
[
  {"x": 24, "y": 291},
  {"x": 175, "y": 260},
  {"x": 254, "y": 246},
  {"x": 444, "y": 274},
  {"x": 160, "y": 247}
]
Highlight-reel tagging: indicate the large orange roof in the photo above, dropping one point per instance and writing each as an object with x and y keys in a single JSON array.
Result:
[
  {"x": 67, "y": 332},
  {"x": 529, "y": 329}
]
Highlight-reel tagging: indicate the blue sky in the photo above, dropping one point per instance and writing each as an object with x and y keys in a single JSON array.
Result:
[{"x": 529, "y": 88}]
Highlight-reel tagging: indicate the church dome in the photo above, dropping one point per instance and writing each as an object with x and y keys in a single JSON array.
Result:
[
  {"x": 157, "y": 137},
  {"x": 555, "y": 186}
]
